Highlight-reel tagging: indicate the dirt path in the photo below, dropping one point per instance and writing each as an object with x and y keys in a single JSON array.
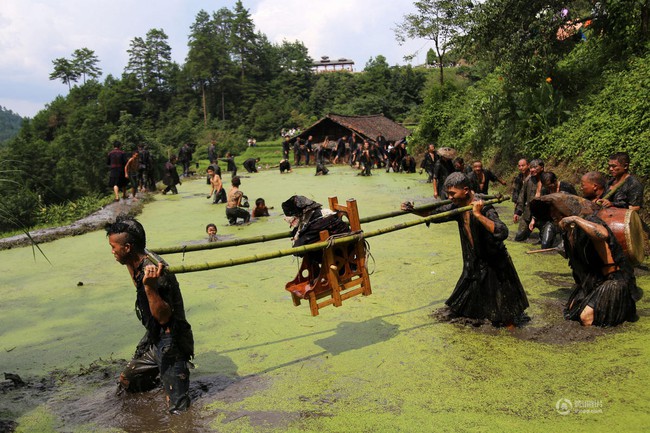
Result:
[{"x": 90, "y": 223}]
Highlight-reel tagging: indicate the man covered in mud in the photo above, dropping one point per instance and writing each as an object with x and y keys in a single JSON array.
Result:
[
  {"x": 605, "y": 284},
  {"x": 163, "y": 354},
  {"x": 489, "y": 287},
  {"x": 624, "y": 189}
]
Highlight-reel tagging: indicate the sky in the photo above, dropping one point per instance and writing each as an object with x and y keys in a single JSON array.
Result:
[{"x": 35, "y": 32}]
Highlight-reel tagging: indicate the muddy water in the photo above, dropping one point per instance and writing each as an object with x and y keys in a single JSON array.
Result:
[{"x": 378, "y": 363}]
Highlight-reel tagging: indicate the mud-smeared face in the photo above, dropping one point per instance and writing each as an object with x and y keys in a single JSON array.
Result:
[
  {"x": 616, "y": 168},
  {"x": 458, "y": 196},
  {"x": 477, "y": 167},
  {"x": 119, "y": 247},
  {"x": 536, "y": 170},
  {"x": 589, "y": 189}
]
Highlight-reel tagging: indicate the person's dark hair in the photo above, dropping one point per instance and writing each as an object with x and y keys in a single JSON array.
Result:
[
  {"x": 236, "y": 181},
  {"x": 259, "y": 201},
  {"x": 135, "y": 234},
  {"x": 117, "y": 144},
  {"x": 536, "y": 163},
  {"x": 596, "y": 177},
  {"x": 211, "y": 225},
  {"x": 621, "y": 157},
  {"x": 459, "y": 160},
  {"x": 456, "y": 180},
  {"x": 548, "y": 177}
]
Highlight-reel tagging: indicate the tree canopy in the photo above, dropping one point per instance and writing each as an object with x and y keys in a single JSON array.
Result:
[{"x": 536, "y": 78}]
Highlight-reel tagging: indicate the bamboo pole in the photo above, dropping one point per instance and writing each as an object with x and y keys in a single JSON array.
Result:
[
  {"x": 283, "y": 235},
  {"x": 322, "y": 245}
]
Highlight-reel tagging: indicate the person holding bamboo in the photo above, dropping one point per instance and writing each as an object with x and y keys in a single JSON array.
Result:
[
  {"x": 168, "y": 343},
  {"x": 489, "y": 287},
  {"x": 624, "y": 190}
]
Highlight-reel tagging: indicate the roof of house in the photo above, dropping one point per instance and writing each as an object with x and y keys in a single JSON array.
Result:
[{"x": 367, "y": 127}]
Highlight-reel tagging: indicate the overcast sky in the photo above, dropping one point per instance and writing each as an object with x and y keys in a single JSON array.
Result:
[{"x": 35, "y": 32}]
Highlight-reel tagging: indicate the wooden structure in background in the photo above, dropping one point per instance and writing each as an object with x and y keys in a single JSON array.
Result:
[{"x": 342, "y": 273}]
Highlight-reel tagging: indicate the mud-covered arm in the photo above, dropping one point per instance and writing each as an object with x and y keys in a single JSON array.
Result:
[
  {"x": 489, "y": 218},
  {"x": 594, "y": 231},
  {"x": 408, "y": 207},
  {"x": 160, "y": 309},
  {"x": 521, "y": 200}
]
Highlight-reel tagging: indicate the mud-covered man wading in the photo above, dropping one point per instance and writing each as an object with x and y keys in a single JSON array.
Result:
[{"x": 163, "y": 354}]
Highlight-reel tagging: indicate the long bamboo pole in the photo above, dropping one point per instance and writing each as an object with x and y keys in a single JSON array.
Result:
[
  {"x": 322, "y": 245},
  {"x": 283, "y": 235}
]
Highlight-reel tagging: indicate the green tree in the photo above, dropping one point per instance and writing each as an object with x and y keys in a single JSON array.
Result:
[
  {"x": 84, "y": 62},
  {"x": 208, "y": 60},
  {"x": 150, "y": 61},
  {"x": 243, "y": 38},
  {"x": 65, "y": 71},
  {"x": 441, "y": 21}
]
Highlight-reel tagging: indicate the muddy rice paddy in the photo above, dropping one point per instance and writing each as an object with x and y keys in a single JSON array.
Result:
[{"x": 388, "y": 362}]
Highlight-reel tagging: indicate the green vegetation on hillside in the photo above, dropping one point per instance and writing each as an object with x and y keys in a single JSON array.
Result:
[
  {"x": 562, "y": 80},
  {"x": 9, "y": 124}
]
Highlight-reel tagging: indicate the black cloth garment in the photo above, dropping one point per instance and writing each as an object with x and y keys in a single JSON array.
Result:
[
  {"x": 568, "y": 188},
  {"x": 442, "y": 168},
  {"x": 488, "y": 287},
  {"x": 286, "y": 145},
  {"x": 488, "y": 177},
  {"x": 116, "y": 161},
  {"x": 610, "y": 296},
  {"x": 231, "y": 166},
  {"x": 310, "y": 232},
  {"x": 628, "y": 194},
  {"x": 170, "y": 178},
  {"x": 517, "y": 184},
  {"x": 178, "y": 327},
  {"x": 250, "y": 165},
  {"x": 428, "y": 162},
  {"x": 285, "y": 166}
]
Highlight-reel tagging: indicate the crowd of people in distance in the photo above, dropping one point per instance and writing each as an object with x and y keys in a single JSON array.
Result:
[{"x": 361, "y": 154}]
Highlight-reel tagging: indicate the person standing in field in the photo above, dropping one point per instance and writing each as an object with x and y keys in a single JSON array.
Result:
[
  {"x": 216, "y": 187},
  {"x": 116, "y": 161},
  {"x": 489, "y": 287},
  {"x": 131, "y": 172},
  {"x": 170, "y": 176}
]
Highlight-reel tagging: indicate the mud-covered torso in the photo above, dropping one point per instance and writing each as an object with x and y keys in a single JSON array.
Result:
[{"x": 169, "y": 291}]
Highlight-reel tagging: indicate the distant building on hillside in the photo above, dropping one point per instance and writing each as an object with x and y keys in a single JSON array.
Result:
[{"x": 325, "y": 64}]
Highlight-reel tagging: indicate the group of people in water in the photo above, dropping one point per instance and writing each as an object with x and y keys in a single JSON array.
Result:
[
  {"x": 605, "y": 291},
  {"x": 489, "y": 288}
]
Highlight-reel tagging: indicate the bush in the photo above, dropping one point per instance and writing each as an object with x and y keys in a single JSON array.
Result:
[
  {"x": 18, "y": 209},
  {"x": 615, "y": 119}
]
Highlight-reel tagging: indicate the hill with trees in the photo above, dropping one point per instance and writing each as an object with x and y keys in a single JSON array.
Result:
[
  {"x": 10, "y": 123},
  {"x": 562, "y": 80}
]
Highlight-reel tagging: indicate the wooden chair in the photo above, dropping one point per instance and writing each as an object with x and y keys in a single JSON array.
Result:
[{"x": 343, "y": 272}]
